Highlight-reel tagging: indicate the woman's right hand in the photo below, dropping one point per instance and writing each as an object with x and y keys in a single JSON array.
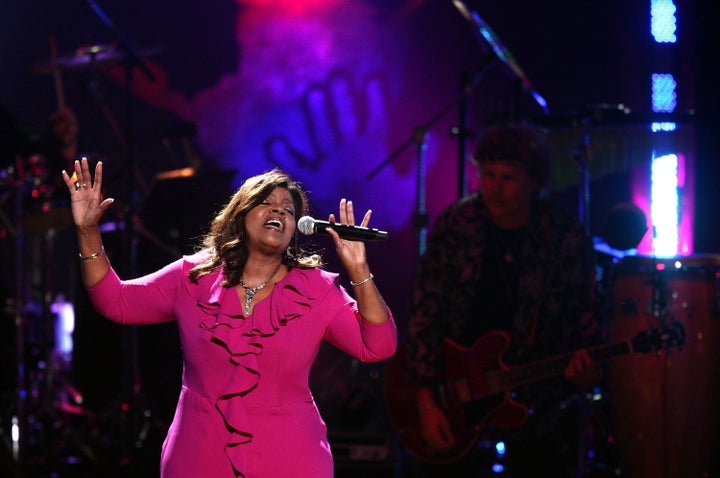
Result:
[{"x": 86, "y": 199}]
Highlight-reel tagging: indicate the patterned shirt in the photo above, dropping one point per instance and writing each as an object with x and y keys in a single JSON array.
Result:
[{"x": 536, "y": 284}]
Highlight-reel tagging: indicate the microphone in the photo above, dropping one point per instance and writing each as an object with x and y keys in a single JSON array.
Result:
[{"x": 308, "y": 225}]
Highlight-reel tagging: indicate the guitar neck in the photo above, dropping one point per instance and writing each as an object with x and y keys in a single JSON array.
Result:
[{"x": 534, "y": 371}]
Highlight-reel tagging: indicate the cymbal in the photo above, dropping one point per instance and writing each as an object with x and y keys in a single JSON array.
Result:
[{"x": 88, "y": 56}]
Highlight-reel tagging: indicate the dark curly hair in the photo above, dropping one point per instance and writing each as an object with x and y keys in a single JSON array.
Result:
[
  {"x": 519, "y": 143},
  {"x": 226, "y": 243}
]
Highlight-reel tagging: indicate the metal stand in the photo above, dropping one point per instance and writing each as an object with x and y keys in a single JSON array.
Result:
[
  {"x": 462, "y": 133},
  {"x": 135, "y": 415},
  {"x": 418, "y": 140},
  {"x": 582, "y": 155}
]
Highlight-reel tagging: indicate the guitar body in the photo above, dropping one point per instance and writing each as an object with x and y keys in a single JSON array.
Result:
[
  {"x": 472, "y": 383},
  {"x": 468, "y": 396},
  {"x": 477, "y": 388}
]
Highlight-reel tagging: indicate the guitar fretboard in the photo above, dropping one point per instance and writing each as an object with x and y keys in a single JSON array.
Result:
[{"x": 522, "y": 374}]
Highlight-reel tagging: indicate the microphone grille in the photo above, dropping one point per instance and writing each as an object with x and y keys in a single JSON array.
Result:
[{"x": 306, "y": 225}]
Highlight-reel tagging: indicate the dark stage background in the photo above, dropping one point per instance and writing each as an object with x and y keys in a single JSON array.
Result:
[{"x": 331, "y": 91}]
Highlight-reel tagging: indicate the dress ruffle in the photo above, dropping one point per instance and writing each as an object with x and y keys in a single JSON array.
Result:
[{"x": 241, "y": 337}]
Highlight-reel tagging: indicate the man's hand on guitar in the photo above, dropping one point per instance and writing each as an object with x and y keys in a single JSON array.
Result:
[
  {"x": 581, "y": 370},
  {"x": 436, "y": 428},
  {"x": 433, "y": 422}
]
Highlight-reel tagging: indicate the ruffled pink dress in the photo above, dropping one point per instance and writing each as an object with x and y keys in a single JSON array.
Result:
[{"x": 245, "y": 408}]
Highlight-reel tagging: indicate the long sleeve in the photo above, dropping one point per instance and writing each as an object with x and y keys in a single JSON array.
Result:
[
  {"x": 145, "y": 300},
  {"x": 348, "y": 331}
]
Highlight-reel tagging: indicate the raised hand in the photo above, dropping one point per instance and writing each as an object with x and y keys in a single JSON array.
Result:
[
  {"x": 86, "y": 198},
  {"x": 351, "y": 253}
]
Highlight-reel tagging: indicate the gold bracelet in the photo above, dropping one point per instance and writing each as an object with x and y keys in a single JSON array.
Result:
[
  {"x": 355, "y": 284},
  {"x": 92, "y": 256}
]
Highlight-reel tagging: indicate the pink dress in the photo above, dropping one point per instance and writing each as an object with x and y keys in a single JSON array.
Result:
[{"x": 245, "y": 408}]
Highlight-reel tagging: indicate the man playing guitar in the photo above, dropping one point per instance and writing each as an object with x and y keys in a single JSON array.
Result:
[{"x": 503, "y": 259}]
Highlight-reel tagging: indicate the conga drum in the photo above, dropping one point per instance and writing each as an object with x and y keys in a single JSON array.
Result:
[{"x": 665, "y": 406}]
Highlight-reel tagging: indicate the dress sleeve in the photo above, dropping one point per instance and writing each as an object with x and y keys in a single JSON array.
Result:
[
  {"x": 348, "y": 331},
  {"x": 146, "y": 300}
]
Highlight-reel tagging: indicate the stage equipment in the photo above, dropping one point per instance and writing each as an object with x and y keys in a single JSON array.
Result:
[
  {"x": 47, "y": 415},
  {"x": 664, "y": 406},
  {"x": 88, "y": 57}
]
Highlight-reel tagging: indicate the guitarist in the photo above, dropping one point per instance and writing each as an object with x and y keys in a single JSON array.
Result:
[{"x": 505, "y": 259}]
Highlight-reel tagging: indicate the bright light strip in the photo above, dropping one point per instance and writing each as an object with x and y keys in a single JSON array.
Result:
[
  {"x": 663, "y": 126},
  {"x": 664, "y": 98},
  {"x": 64, "y": 327},
  {"x": 663, "y": 23},
  {"x": 664, "y": 204},
  {"x": 667, "y": 177},
  {"x": 15, "y": 437}
]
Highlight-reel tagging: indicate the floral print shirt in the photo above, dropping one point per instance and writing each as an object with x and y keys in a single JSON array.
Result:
[{"x": 536, "y": 284}]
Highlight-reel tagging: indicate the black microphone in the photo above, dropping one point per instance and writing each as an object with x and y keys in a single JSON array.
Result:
[{"x": 308, "y": 225}]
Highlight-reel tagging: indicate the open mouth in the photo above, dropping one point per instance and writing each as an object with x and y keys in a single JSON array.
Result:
[{"x": 275, "y": 223}]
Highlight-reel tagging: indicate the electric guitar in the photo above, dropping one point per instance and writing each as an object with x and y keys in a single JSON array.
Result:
[{"x": 477, "y": 388}]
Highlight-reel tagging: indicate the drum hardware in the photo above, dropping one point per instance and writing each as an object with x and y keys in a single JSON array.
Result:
[
  {"x": 44, "y": 397},
  {"x": 46, "y": 402},
  {"x": 624, "y": 227}
]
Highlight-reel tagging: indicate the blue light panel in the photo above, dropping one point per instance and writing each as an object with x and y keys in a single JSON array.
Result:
[
  {"x": 663, "y": 23},
  {"x": 664, "y": 97}
]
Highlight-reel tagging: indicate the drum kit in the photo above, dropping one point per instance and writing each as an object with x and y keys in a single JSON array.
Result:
[
  {"x": 46, "y": 419},
  {"x": 34, "y": 215},
  {"x": 49, "y": 421}
]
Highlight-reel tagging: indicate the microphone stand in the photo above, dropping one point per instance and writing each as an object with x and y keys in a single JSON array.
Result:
[
  {"x": 132, "y": 392},
  {"x": 486, "y": 35},
  {"x": 462, "y": 133},
  {"x": 418, "y": 139},
  {"x": 582, "y": 155}
]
